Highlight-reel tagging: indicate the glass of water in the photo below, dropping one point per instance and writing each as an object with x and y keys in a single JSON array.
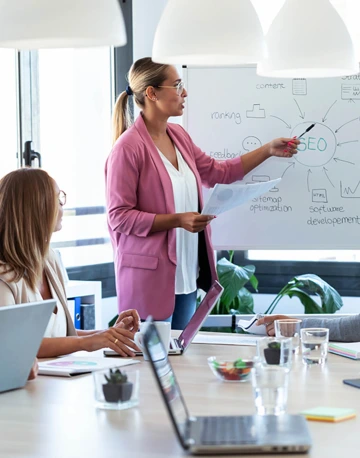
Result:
[
  {"x": 270, "y": 388},
  {"x": 289, "y": 328},
  {"x": 314, "y": 345}
]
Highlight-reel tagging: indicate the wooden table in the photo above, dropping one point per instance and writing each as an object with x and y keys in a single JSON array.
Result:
[{"x": 55, "y": 417}]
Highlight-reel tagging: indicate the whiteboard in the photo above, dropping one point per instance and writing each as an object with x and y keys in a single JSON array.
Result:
[{"x": 230, "y": 111}]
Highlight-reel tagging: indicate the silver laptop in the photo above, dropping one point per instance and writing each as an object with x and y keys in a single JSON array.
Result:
[
  {"x": 179, "y": 345},
  {"x": 22, "y": 328},
  {"x": 222, "y": 435}
]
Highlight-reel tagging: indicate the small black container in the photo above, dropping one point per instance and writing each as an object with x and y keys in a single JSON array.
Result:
[{"x": 117, "y": 393}]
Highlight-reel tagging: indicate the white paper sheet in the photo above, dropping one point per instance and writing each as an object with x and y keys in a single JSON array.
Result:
[
  {"x": 251, "y": 327},
  {"x": 225, "y": 197},
  {"x": 231, "y": 339}
]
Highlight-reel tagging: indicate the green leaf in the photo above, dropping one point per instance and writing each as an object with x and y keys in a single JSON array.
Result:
[
  {"x": 310, "y": 306},
  {"x": 244, "y": 301},
  {"x": 331, "y": 300},
  {"x": 303, "y": 286},
  {"x": 239, "y": 364},
  {"x": 254, "y": 283},
  {"x": 232, "y": 278}
]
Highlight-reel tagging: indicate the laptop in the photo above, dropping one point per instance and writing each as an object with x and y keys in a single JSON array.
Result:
[
  {"x": 22, "y": 328},
  {"x": 179, "y": 345},
  {"x": 225, "y": 434}
]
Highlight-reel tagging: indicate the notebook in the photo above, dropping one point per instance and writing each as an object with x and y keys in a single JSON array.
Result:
[
  {"x": 73, "y": 365},
  {"x": 179, "y": 345},
  {"x": 226, "y": 434},
  {"x": 329, "y": 414},
  {"x": 349, "y": 350},
  {"x": 22, "y": 328}
]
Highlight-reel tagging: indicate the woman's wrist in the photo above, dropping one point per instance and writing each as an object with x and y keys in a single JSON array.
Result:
[
  {"x": 265, "y": 151},
  {"x": 82, "y": 343}
]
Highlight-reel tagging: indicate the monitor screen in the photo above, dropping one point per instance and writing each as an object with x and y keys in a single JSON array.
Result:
[
  {"x": 166, "y": 380},
  {"x": 203, "y": 310}
]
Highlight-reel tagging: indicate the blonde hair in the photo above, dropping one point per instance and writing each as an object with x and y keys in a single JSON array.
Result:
[
  {"x": 143, "y": 73},
  {"x": 28, "y": 215}
]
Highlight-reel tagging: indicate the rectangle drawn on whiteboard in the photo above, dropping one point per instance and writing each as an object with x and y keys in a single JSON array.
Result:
[
  {"x": 299, "y": 86},
  {"x": 350, "y": 91}
]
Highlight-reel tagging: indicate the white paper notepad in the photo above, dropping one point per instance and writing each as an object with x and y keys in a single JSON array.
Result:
[{"x": 74, "y": 365}]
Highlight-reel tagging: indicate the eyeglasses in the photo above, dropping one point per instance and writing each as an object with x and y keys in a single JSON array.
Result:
[
  {"x": 179, "y": 87},
  {"x": 62, "y": 198}
]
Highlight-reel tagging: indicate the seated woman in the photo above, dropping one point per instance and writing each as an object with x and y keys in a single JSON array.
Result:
[
  {"x": 341, "y": 329},
  {"x": 30, "y": 211},
  {"x": 34, "y": 370}
]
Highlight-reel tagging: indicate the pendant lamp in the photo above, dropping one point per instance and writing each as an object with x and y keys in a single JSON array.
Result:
[
  {"x": 35, "y": 24},
  {"x": 308, "y": 39},
  {"x": 208, "y": 32}
]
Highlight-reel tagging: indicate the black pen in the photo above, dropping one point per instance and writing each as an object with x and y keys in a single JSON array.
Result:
[{"x": 306, "y": 131}]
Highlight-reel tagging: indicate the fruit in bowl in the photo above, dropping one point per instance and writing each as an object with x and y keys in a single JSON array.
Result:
[{"x": 231, "y": 371}]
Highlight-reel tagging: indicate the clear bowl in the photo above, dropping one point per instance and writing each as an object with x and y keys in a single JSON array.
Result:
[{"x": 231, "y": 371}]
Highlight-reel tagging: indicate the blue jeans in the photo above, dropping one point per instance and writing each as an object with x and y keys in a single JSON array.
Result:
[{"x": 185, "y": 306}]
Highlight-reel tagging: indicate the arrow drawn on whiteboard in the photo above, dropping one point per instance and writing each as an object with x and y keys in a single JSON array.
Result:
[
  {"x": 326, "y": 170},
  {"x": 344, "y": 143},
  {"x": 292, "y": 164},
  {"x": 287, "y": 125},
  {"x": 325, "y": 118},
  {"x": 336, "y": 159},
  {"x": 302, "y": 115},
  {"x": 355, "y": 119},
  {"x": 308, "y": 176}
]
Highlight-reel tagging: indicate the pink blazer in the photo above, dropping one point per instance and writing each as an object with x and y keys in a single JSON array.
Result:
[{"x": 137, "y": 188}]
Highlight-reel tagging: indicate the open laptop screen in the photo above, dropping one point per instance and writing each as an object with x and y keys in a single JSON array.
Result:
[
  {"x": 207, "y": 304},
  {"x": 166, "y": 380}
]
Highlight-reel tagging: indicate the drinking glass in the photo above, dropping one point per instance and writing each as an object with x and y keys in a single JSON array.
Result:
[
  {"x": 289, "y": 328},
  {"x": 270, "y": 388},
  {"x": 314, "y": 345},
  {"x": 275, "y": 351}
]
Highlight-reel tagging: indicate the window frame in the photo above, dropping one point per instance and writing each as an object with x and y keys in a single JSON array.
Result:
[{"x": 273, "y": 275}]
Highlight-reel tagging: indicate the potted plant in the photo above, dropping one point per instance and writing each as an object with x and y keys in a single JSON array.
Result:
[
  {"x": 272, "y": 353},
  {"x": 305, "y": 286},
  {"x": 235, "y": 298},
  {"x": 117, "y": 388}
]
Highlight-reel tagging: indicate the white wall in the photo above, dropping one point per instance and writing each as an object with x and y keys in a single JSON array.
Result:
[{"x": 146, "y": 15}]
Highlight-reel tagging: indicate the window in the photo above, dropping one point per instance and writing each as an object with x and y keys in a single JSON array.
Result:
[
  {"x": 8, "y": 112},
  {"x": 75, "y": 102},
  {"x": 306, "y": 255}
]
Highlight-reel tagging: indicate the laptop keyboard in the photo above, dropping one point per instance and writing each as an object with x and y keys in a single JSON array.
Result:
[{"x": 228, "y": 430}]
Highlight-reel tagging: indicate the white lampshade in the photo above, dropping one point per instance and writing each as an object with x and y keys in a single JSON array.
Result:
[
  {"x": 35, "y": 24},
  {"x": 308, "y": 39},
  {"x": 208, "y": 32}
]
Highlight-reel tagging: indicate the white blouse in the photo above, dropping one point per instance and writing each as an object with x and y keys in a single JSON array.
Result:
[{"x": 186, "y": 200}]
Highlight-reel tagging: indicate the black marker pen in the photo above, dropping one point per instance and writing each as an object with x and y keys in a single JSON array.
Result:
[{"x": 306, "y": 131}]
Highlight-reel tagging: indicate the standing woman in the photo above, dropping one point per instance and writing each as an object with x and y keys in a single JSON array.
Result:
[
  {"x": 154, "y": 178},
  {"x": 31, "y": 209}
]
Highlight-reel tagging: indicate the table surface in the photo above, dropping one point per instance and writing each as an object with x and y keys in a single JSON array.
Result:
[{"x": 55, "y": 417}]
